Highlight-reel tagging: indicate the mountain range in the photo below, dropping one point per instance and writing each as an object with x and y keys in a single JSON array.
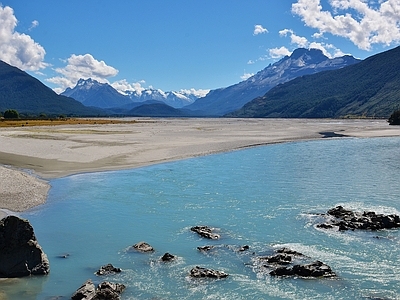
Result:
[
  {"x": 370, "y": 88},
  {"x": 306, "y": 84},
  {"x": 217, "y": 102},
  {"x": 90, "y": 92},
  {"x": 27, "y": 95},
  {"x": 301, "y": 62}
]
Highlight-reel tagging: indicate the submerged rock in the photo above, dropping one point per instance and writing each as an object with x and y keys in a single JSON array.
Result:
[
  {"x": 315, "y": 269},
  {"x": 205, "y": 248},
  {"x": 199, "y": 272},
  {"x": 205, "y": 232},
  {"x": 348, "y": 220},
  {"x": 105, "y": 290},
  {"x": 280, "y": 259},
  {"x": 20, "y": 253},
  {"x": 108, "y": 269}
]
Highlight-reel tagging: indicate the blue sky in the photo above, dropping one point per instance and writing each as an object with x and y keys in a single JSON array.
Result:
[{"x": 183, "y": 44}]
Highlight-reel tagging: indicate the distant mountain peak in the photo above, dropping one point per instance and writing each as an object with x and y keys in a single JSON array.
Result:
[{"x": 301, "y": 62}]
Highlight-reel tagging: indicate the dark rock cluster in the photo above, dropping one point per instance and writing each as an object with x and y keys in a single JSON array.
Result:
[
  {"x": 105, "y": 290},
  {"x": 344, "y": 219},
  {"x": 314, "y": 269},
  {"x": 283, "y": 257}
]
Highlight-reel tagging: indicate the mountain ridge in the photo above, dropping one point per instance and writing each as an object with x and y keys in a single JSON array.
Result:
[
  {"x": 301, "y": 62},
  {"x": 26, "y": 94},
  {"x": 370, "y": 88}
]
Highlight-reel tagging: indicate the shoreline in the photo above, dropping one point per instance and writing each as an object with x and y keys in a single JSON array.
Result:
[{"x": 36, "y": 154}]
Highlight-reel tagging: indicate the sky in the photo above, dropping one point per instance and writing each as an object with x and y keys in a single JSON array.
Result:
[{"x": 190, "y": 45}]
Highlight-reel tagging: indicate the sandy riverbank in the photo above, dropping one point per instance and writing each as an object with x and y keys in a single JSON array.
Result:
[{"x": 56, "y": 151}]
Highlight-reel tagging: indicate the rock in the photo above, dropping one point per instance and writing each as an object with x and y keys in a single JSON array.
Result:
[
  {"x": 20, "y": 253},
  {"x": 280, "y": 258},
  {"x": 198, "y": 272},
  {"x": 86, "y": 291},
  {"x": 349, "y": 220},
  {"x": 289, "y": 251},
  {"x": 105, "y": 290},
  {"x": 244, "y": 248},
  {"x": 107, "y": 270},
  {"x": 168, "y": 257},
  {"x": 205, "y": 248},
  {"x": 205, "y": 232},
  {"x": 143, "y": 247},
  {"x": 109, "y": 291},
  {"x": 315, "y": 269}
]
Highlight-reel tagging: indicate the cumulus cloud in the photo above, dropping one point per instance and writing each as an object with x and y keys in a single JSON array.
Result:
[
  {"x": 259, "y": 29},
  {"x": 299, "y": 41},
  {"x": 198, "y": 93},
  {"x": 363, "y": 22},
  {"x": 18, "y": 49},
  {"x": 279, "y": 52},
  {"x": 246, "y": 76},
  {"x": 82, "y": 66},
  {"x": 124, "y": 86}
]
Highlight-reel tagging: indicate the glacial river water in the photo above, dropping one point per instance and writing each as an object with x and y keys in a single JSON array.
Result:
[{"x": 266, "y": 197}]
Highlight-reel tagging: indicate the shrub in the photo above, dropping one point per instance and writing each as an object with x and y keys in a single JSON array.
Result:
[
  {"x": 394, "y": 118},
  {"x": 11, "y": 114}
]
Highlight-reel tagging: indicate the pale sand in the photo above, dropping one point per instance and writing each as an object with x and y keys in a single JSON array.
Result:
[{"x": 56, "y": 151}]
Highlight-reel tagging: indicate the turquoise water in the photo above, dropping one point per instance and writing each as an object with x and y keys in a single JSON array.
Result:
[{"x": 265, "y": 197}]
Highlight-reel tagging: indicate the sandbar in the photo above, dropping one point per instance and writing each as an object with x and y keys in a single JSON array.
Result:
[{"x": 31, "y": 155}]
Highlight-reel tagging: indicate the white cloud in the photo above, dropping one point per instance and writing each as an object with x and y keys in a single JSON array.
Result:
[
  {"x": 123, "y": 86},
  {"x": 363, "y": 22},
  {"x": 259, "y": 29},
  {"x": 279, "y": 52},
  {"x": 18, "y": 49},
  {"x": 299, "y": 41},
  {"x": 198, "y": 93},
  {"x": 82, "y": 66},
  {"x": 34, "y": 24},
  {"x": 246, "y": 76}
]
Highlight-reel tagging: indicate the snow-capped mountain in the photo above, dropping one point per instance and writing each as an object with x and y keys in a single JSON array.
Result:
[
  {"x": 174, "y": 99},
  {"x": 302, "y": 62},
  {"x": 90, "y": 92},
  {"x": 93, "y": 93}
]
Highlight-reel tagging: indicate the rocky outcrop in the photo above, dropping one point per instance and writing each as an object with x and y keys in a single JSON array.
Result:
[
  {"x": 105, "y": 290},
  {"x": 300, "y": 265},
  {"x": 199, "y": 272},
  {"x": 315, "y": 269},
  {"x": 20, "y": 253},
  {"x": 107, "y": 270},
  {"x": 143, "y": 247},
  {"x": 168, "y": 257},
  {"x": 206, "y": 232},
  {"x": 344, "y": 219}
]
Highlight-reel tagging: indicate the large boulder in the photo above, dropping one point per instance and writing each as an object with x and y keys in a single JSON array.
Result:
[{"x": 20, "y": 253}]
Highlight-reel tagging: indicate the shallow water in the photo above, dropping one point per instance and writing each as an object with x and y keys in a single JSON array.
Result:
[{"x": 265, "y": 197}]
